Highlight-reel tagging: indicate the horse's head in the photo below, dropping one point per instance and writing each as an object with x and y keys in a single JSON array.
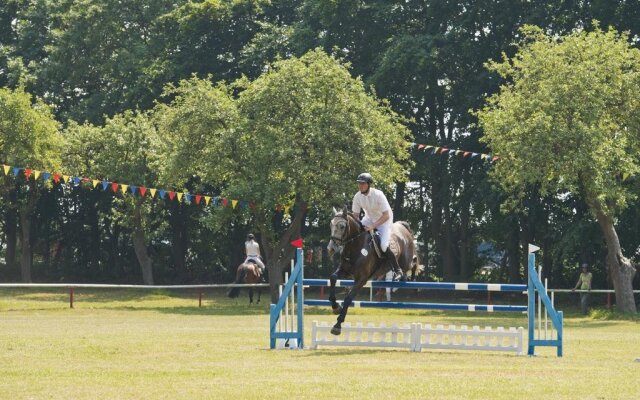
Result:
[{"x": 344, "y": 228}]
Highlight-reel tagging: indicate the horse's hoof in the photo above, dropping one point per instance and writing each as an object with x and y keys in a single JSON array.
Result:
[
  {"x": 336, "y": 330},
  {"x": 337, "y": 310}
]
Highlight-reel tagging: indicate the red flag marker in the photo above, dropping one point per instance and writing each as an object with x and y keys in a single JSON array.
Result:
[{"x": 297, "y": 243}]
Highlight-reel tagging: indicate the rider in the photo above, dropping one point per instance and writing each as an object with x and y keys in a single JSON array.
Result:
[
  {"x": 252, "y": 251},
  {"x": 377, "y": 215}
]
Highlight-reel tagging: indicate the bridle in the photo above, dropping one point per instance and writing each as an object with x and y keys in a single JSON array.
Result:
[{"x": 342, "y": 241}]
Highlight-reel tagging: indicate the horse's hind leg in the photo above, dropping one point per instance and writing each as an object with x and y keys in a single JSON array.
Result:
[
  {"x": 250, "y": 296},
  {"x": 259, "y": 294}
]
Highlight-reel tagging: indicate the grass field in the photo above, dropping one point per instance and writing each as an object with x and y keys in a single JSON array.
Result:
[{"x": 161, "y": 345}]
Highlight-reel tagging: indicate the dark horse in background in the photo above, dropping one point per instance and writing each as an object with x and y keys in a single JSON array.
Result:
[
  {"x": 248, "y": 272},
  {"x": 359, "y": 261}
]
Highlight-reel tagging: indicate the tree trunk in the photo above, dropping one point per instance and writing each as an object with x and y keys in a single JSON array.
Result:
[
  {"x": 140, "y": 244},
  {"x": 398, "y": 204},
  {"x": 25, "y": 245},
  {"x": 621, "y": 269},
  {"x": 11, "y": 236},
  {"x": 179, "y": 240},
  {"x": 513, "y": 251},
  {"x": 281, "y": 254}
]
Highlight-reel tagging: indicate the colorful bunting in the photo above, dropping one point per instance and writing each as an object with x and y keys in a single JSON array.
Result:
[
  {"x": 46, "y": 176},
  {"x": 36, "y": 174},
  {"x": 161, "y": 193},
  {"x": 153, "y": 192},
  {"x": 114, "y": 187},
  {"x": 16, "y": 171},
  {"x": 179, "y": 195},
  {"x": 27, "y": 173},
  {"x": 234, "y": 203},
  {"x": 172, "y": 195},
  {"x": 143, "y": 191}
]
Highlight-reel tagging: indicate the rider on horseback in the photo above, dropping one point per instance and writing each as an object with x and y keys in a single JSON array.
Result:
[
  {"x": 378, "y": 215},
  {"x": 252, "y": 251}
]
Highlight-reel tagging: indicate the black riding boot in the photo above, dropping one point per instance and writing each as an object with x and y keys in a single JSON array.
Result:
[{"x": 397, "y": 272}]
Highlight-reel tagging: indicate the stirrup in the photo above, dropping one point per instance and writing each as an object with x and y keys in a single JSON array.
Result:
[{"x": 399, "y": 277}]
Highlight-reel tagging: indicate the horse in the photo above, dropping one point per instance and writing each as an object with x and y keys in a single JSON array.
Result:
[
  {"x": 248, "y": 272},
  {"x": 359, "y": 260}
]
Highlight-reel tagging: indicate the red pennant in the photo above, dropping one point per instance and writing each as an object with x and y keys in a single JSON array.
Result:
[
  {"x": 466, "y": 154},
  {"x": 27, "y": 172},
  {"x": 297, "y": 243},
  {"x": 444, "y": 150},
  {"x": 56, "y": 177},
  {"x": 252, "y": 204},
  {"x": 143, "y": 191},
  {"x": 198, "y": 197},
  {"x": 420, "y": 146},
  {"x": 225, "y": 201},
  {"x": 495, "y": 158},
  {"x": 114, "y": 187},
  {"x": 172, "y": 195}
]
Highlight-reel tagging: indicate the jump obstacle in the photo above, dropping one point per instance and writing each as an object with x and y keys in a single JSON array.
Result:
[{"x": 286, "y": 324}]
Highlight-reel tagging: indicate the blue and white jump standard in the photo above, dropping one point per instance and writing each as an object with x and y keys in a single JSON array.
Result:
[{"x": 417, "y": 336}]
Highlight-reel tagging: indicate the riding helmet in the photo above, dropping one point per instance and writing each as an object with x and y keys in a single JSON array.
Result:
[
  {"x": 365, "y": 177},
  {"x": 250, "y": 236}
]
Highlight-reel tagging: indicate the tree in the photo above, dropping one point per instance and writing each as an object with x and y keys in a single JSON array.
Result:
[
  {"x": 566, "y": 121},
  {"x": 309, "y": 129},
  {"x": 29, "y": 138}
]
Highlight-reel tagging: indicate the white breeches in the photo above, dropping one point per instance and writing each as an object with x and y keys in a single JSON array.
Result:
[
  {"x": 384, "y": 230},
  {"x": 257, "y": 260}
]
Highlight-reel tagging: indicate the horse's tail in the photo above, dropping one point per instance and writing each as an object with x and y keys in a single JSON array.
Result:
[
  {"x": 240, "y": 275},
  {"x": 416, "y": 267}
]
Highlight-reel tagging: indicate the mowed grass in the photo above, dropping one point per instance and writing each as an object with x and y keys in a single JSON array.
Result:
[{"x": 161, "y": 345}]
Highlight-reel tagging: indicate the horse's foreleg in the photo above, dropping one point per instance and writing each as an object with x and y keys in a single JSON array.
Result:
[
  {"x": 337, "y": 328},
  {"x": 250, "y": 296},
  {"x": 332, "y": 293},
  {"x": 259, "y": 294}
]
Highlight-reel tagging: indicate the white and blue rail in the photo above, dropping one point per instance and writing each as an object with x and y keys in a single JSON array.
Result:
[{"x": 537, "y": 301}]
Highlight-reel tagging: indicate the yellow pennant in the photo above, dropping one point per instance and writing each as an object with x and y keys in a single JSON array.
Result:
[
  {"x": 6, "y": 169},
  {"x": 179, "y": 194},
  {"x": 207, "y": 199},
  {"x": 234, "y": 203},
  {"x": 95, "y": 183},
  {"x": 65, "y": 178},
  {"x": 286, "y": 209},
  {"x": 153, "y": 192},
  {"x": 124, "y": 188},
  {"x": 36, "y": 174},
  {"x": 625, "y": 175}
]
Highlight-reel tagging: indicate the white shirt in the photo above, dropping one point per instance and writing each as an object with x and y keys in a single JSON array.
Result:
[
  {"x": 373, "y": 203},
  {"x": 252, "y": 247}
]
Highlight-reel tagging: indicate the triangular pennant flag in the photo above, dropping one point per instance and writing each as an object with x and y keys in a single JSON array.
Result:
[
  {"x": 95, "y": 183},
  {"x": 180, "y": 194},
  {"x": 65, "y": 178},
  {"x": 153, "y": 192},
  {"x": 625, "y": 175},
  {"x": 172, "y": 195},
  {"x": 225, "y": 201},
  {"x": 114, "y": 187},
  {"x": 234, "y": 203},
  {"x": 27, "y": 172},
  {"x": 105, "y": 185},
  {"x": 6, "y": 169},
  {"x": 297, "y": 243},
  {"x": 286, "y": 209},
  {"x": 36, "y": 174},
  {"x": 187, "y": 197},
  {"x": 143, "y": 191},
  {"x": 207, "y": 199},
  {"x": 198, "y": 198},
  {"x": 252, "y": 205},
  {"x": 444, "y": 150},
  {"x": 428, "y": 147},
  {"x": 436, "y": 150},
  {"x": 56, "y": 178},
  {"x": 16, "y": 171},
  {"x": 46, "y": 176},
  {"x": 133, "y": 189},
  {"x": 76, "y": 180},
  {"x": 161, "y": 193},
  {"x": 474, "y": 155},
  {"x": 420, "y": 146},
  {"x": 495, "y": 158},
  {"x": 466, "y": 154},
  {"x": 458, "y": 152},
  {"x": 123, "y": 188},
  {"x": 243, "y": 204},
  {"x": 216, "y": 201}
]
